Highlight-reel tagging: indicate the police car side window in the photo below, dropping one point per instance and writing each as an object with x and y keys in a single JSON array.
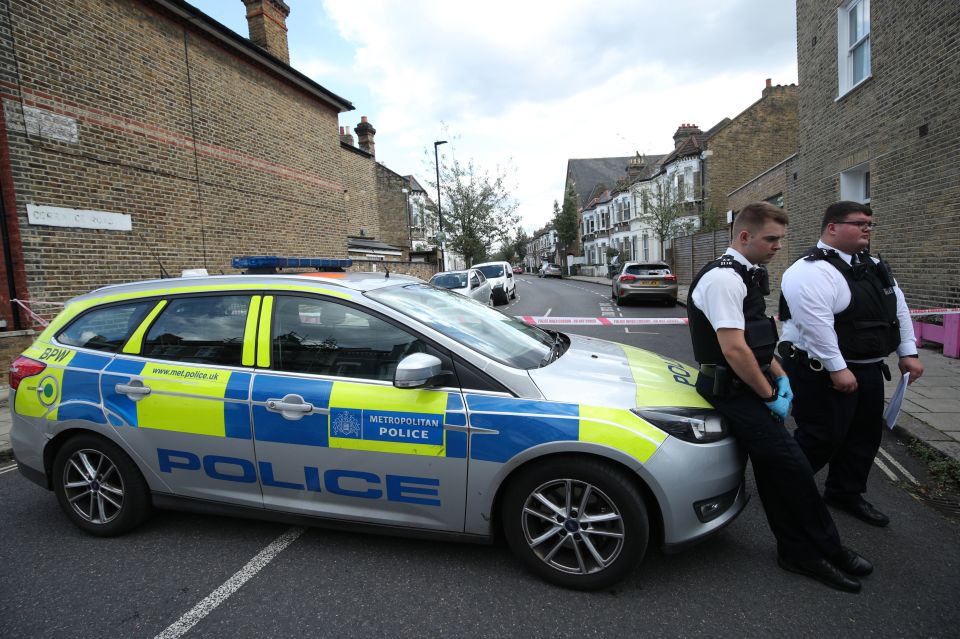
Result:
[
  {"x": 201, "y": 330},
  {"x": 106, "y": 328},
  {"x": 311, "y": 335}
]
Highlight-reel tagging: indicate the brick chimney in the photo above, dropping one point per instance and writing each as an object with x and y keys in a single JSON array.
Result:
[
  {"x": 636, "y": 166},
  {"x": 345, "y": 136},
  {"x": 267, "y": 21},
  {"x": 683, "y": 132},
  {"x": 365, "y": 133}
]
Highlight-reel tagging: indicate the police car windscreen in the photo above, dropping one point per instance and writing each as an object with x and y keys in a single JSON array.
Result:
[{"x": 472, "y": 323}]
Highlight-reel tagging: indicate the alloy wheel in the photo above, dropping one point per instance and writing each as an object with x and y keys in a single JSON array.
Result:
[
  {"x": 93, "y": 486},
  {"x": 572, "y": 526}
]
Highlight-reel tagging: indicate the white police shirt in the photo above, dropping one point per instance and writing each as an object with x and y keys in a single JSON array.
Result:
[
  {"x": 720, "y": 294},
  {"x": 816, "y": 291}
]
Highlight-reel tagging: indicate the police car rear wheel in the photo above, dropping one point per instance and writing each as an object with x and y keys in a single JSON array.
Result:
[
  {"x": 99, "y": 487},
  {"x": 578, "y": 523}
]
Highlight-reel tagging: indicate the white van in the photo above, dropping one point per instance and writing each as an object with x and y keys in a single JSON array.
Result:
[{"x": 500, "y": 275}]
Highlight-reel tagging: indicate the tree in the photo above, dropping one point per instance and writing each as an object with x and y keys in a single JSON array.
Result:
[
  {"x": 478, "y": 209},
  {"x": 664, "y": 213},
  {"x": 565, "y": 220},
  {"x": 520, "y": 244}
]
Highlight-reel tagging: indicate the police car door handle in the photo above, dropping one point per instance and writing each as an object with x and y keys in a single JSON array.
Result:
[
  {"x": 134, "y": 390},
  {"x": 291, "y": 406}
]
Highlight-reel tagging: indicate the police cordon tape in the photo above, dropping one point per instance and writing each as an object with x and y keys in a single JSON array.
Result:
[{"x": 654, "y": 321}]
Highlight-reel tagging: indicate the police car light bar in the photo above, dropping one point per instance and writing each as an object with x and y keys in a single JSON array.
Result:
[{"x": 270, "y": 263}]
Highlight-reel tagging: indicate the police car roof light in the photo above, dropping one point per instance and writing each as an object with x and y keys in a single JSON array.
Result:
[{"x": 259, "y": 264}]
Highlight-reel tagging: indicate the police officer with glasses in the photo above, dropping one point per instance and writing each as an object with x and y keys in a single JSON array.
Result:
[
  {"x": 734, "y": 341},
  {"x": 843, "y": 314}
]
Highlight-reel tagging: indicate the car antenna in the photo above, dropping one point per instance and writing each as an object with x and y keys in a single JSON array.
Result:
[{"x": 163, "y": 272}]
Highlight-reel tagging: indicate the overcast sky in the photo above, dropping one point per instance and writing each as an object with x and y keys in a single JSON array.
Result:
[{"x": 529, "y": 83}]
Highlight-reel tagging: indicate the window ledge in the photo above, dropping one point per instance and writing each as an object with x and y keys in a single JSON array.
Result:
[{"x": 853, "y": 88}]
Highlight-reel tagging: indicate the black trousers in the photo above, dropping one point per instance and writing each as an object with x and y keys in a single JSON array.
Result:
[
  {"x": 795, "y": 511},
  {"x": 840, "y": 429}
]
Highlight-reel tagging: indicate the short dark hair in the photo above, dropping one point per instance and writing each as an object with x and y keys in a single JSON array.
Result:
[
  {"x": 838, "y": 212},
  {"x": 753, "y": 216}
]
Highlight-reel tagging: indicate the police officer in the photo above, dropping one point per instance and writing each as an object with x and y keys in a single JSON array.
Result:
[
  {"x": 845, "y": 314},
  {"x": 734, "y": 341}
]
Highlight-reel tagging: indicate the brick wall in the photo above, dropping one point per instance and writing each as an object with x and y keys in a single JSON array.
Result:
[
  {"x": 760, "y": 137},
  {"x": 360, "y": 192},
  {"x": 210, "y": 154},
  {"x": 915, "y": 179},
  {"x": 392, "y": 210},
  {"x": 773, "y": 182}
]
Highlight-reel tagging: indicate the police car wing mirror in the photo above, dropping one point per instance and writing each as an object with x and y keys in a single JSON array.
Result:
[{"x": 416, "y": 370}]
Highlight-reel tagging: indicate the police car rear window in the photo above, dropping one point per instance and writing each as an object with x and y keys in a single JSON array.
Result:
[
  {"x": 105, "y": 328},
  {"x": 205, "y": 330}
]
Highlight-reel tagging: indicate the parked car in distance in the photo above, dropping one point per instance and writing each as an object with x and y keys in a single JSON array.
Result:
[
  {"x": 651, "y": 281},
  {"x": 501, "y": 279},
  {"x": 470, "y": 283},
  {"x": 550, "y": 270},
  {"x": 517, "y": 270}
]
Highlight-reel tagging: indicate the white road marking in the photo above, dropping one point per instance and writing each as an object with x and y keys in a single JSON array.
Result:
[
  {"x": 547, "y": 314},
  {"x": 7, "y": 469},
  {"x": 906, "y": 473},
  {"x": 884, "y": 468},
  {"x": 230, "y": 586},
  {"x": 626, "y": 329}
]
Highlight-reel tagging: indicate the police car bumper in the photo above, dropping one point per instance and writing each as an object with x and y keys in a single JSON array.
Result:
[
  {"x": 699, "y": 487},
  {"x": 28, "y": 439}
]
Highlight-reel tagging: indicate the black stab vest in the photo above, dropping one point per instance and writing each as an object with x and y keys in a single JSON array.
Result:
[
  {"x": 760, "y": 331},
  {"x": 868, "y": 328}
]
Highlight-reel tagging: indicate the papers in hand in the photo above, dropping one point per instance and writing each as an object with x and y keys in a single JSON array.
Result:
[{"x": 893, "y": 408}]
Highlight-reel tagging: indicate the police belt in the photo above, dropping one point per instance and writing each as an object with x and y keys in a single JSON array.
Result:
[{"x": 787, "y": 350}]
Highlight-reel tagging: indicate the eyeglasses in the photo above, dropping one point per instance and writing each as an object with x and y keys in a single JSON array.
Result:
[{"x": 863, "y": 225}]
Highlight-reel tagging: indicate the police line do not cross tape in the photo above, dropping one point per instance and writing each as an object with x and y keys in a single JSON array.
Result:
[{"x": 655, "y": 321}]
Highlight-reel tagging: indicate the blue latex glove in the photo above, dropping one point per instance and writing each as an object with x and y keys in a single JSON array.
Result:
[
  {"x": 779, "y": 407},
  {"x": 783, "y": 387}
]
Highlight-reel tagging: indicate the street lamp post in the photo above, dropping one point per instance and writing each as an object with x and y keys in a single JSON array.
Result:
[{"x": 436, "y": 160}]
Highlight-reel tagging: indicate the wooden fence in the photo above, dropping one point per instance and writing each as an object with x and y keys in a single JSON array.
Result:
[{"x": 691, "y": 252}]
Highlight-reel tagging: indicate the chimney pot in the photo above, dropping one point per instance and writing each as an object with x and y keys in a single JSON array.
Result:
[
  {"x": 365, "y": 133},
  {"x": 768, "y": 83}
]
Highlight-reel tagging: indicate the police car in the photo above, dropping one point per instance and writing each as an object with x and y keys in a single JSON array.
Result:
[{"x": 371, "y": 402}]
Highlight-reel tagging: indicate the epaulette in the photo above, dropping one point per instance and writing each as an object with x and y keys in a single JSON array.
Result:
[{"x": 818, "y": 253}]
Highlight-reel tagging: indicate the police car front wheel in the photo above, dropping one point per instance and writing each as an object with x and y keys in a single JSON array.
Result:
[
  {"x": 579, "y": 523},
  {"x": 99, "y": 487}
]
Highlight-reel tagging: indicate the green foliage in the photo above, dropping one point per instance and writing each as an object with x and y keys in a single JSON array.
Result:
[
  {"x": 565, "y": 218},
  {"x": 943, "y": 469},
  {"x": 478, "y": 209},
  {"x": 664, "y": 214},
  {"x": 520, "y": 240}
]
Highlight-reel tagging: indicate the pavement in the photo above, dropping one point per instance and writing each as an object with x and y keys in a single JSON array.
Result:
[{"x": 930, "y": 411}]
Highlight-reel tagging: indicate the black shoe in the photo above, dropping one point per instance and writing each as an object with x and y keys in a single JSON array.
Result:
[
  {"x": 821, "y": 570},
  {"x": 853, "y": 564},
  {"x": 859, "y": 508}
]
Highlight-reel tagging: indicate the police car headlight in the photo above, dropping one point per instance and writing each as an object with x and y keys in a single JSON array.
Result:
[{"x": 694, "y": 425}]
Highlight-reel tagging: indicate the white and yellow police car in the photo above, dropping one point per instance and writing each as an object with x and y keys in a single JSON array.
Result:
[{"x": 366, "y": 401}]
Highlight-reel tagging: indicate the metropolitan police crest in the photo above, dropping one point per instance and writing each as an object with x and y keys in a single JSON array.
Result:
[{"x": 345, "y": 423}]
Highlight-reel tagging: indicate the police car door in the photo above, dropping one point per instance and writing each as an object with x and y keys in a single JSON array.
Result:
[
  {"x": 335, "y": 438},
  {"x": 179, "y": 395}
]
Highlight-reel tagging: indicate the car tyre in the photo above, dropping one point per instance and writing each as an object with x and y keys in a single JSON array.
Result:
[
  {"x": 500, "y": 297},
  {"x": 513, "y": 294},
  {"x": 591, "y": 540},
  {"x": 619, "y": 300},
  {"x": 99, "y": 487}
]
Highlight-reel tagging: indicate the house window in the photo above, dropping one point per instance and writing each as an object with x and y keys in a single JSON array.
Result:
[
  {"x": 853, "y": 44},
  {"x": 646, "y": 248},
  {"x": 776, "y": 200},
  {"x": 855, "y": 184},
  {"x": 681, "y": 188},
  {"x": 626, "y": 209}
]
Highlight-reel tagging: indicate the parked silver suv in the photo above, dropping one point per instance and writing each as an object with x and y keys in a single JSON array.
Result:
[{"x": 645, "y": 281}]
